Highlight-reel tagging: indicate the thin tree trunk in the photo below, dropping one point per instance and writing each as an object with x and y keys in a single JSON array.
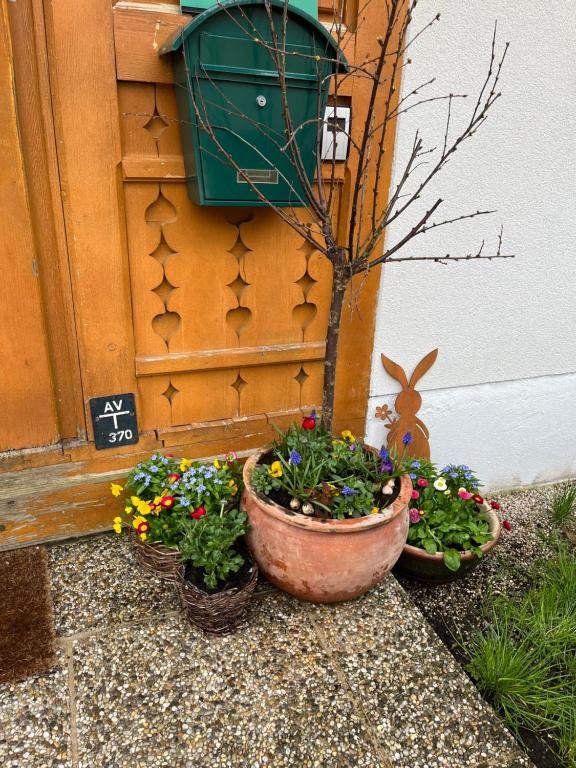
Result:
[{"x": 339, "y": 283}]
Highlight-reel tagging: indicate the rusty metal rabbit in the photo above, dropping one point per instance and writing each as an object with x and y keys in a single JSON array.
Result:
[{"x": 407, "y": 405}]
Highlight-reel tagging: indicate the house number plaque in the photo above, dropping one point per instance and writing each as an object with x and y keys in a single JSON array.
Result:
[{"x": 114, "y": 421}]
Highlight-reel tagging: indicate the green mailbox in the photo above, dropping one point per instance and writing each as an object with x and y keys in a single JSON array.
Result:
[{"x": 226, "y": 78}]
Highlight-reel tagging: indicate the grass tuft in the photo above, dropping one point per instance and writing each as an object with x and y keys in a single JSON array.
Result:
[
  {"x": 525, "y": 661},
  {"x": 564, "y": 505}
]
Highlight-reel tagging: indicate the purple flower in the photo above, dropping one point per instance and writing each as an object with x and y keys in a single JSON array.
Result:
[
  {"x": 295, "y": 458},
  {"x": 407, "y": 439},
  {"x": 386, "y": 466},
  {"x": 383, "y": 454},
  {"x": 414, "y": 516},
  {"x": 347, "y": 491}
]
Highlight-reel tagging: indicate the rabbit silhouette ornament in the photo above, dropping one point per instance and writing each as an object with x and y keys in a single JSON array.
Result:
[{"x": 407, "y": 405}]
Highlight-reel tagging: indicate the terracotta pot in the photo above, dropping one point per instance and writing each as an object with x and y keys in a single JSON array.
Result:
[
  {"x": 417, "y": 564},
  {"x": 324, "y": 561}
]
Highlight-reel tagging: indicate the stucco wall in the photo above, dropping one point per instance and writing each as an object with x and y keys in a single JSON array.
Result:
[{"x": 502, "y": 394}]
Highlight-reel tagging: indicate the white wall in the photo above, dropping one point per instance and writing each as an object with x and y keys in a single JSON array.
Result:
[{"x": 502, "y": 394}]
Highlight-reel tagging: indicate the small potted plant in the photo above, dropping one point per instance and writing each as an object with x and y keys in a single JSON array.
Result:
[
  {"x": 152, "y": 511},
  {"x": 217, "y": 576},
  {"x": 328, "y": 516},
  {"x": 451, "y": 525}
]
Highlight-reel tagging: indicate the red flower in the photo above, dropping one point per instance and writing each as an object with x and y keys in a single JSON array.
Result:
[
  {"x": 143, "y": 527},
  {"x": 507, "y": 525},
  {"x": 308, "y": 422},
  {"x": 422, "y": 482},
  {"x": 478, "y": 499},
  {"x": 197, "y": 513},
  {"x": 169, "y": 455},
  {"x": 415, "y": 495},
  {"x": 173, "y": 476},
  {"x": 167, "y": 501},
  {"x": 494, "y": 505}
]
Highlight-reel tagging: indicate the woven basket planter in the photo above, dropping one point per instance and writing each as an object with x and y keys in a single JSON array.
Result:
[
  {"x": 157, "y": 559},
  {"x": 219, "y": 613}
]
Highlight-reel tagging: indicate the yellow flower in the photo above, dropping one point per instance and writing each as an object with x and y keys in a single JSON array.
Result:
[
  {"x": 347, "y": 435},
  {"x": 234, "y": 488},
  {"x": 337, "y": 442},
  {"x": 216, "y": 463},
  {"x": 116, "y": 489},
  {"x": 135, "y": 501},
  {"x": 374, "y": 510},
  {"x": 448, "y": 493},
  {"x": 128, "y": 510},
  {"x": 142, "y": 526},
  {"x": 185, "y": 464},
  {"x": 275, "y": 469},
  {"x": 117, "y": 524},
  {"x": 143, "y": 536}
]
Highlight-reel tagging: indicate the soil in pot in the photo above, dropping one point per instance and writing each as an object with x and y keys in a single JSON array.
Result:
[
  {"x": 283, "y": 498},
  {"x": 237, "y": 580}
]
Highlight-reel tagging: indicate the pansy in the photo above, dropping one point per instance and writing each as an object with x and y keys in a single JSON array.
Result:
[
  {"x": 217, "y": 464},
  {"x": 116, "y": 489},
  {"x": 185, "y": 464},
  {"x": 275, "y": 469},
  {"x": 440, "y": 484},
  {"x": 348, "y": 436},
  {"x": 117, "y": 524}
]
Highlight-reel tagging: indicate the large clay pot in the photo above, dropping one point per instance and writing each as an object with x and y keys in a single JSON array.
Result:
[
  {"x": 417, "y": 564},
  {"x": 324, "y": 561}
]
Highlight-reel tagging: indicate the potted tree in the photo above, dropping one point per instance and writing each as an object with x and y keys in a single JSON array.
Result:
[{"x": 347, "y": 223}]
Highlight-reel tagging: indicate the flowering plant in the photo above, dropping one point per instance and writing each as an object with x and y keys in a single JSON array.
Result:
[
  {"x": 163, "y": 491},
  {"x": 447, "y": 513},
  {"x": 315, "y": 474}
]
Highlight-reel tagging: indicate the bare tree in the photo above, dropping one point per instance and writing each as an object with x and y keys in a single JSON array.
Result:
[{"x": 351, "y": 237}]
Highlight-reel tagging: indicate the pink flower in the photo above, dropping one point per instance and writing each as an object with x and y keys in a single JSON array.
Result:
[
  {"x": 465, "y": 495},
  {"x": 415, "y": 494},
  {"x": 414, "y": 516},
  {"x": 422, "y": 482}
]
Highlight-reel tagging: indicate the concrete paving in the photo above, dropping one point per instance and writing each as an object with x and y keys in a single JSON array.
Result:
[{"x": 358, "y": 685}]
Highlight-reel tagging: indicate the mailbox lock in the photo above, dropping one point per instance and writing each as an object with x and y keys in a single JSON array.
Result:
[{"x": 261, "y": 101}]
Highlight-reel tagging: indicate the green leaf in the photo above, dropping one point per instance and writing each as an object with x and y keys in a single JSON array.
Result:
[
  {"x": 452, "y": 559},
  {"x": 430, "y": 546}
]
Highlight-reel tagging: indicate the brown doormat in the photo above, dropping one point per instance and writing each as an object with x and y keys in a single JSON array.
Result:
[{"x": 26, "y": 625}]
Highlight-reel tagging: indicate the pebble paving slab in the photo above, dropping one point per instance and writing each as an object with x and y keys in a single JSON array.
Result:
[{"x": 366, "y": 684}]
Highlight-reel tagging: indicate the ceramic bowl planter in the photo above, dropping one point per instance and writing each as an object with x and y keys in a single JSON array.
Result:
[
  {"x": 417, "y": 564},
  {"x": 222, "y": 612},
  {"x": 325, "y": 561}
]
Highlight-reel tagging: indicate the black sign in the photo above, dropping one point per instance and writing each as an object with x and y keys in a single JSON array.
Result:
[{"x": 114, "y": 421}]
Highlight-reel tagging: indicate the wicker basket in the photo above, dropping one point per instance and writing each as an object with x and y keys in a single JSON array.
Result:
[
  {"x": 157, "y": 559},
  {"x": 221, "y": 612}
]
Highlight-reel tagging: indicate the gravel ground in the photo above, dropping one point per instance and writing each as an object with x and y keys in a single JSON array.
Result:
[
  {"x": 364, "y": 684},
  {"x": 454, "y": 610}
]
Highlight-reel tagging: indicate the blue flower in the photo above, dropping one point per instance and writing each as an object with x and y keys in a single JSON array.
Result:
[
  {"x": 185, "y": 502},
  {"x": 147, "y": 480},
  {"x": 454, "y": 474},
  {"x": 468, "y": 475},
  {"x": 416, "y": 464},
  {"x": 347, "y": 491},
  {"x": 386, "y": 466},
  {"x": 153, "y": 468},
  {"x": 464, "y": 467},
  {"x": 295, "y": 458},
  {"x": 383, "y": 453},
  {"x": 413, "y": 476},
  {"x": 217, "y": 482},
  {"x": 200, "y": 488},
  {"x": 407, "y": 439}
]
